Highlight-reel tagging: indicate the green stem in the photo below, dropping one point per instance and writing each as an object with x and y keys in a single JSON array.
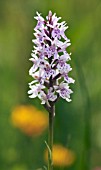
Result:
[{"x": 50, "y": 140}]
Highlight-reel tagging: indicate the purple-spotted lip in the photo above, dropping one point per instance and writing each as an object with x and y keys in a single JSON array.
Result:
[
  {"x": 40, "y": 39},
  {"x": 63, "y": 90},
  {"x": 56, "y": 33},
  {"x": 49, "y": 96},
  {"x": 61, "y": 62}
]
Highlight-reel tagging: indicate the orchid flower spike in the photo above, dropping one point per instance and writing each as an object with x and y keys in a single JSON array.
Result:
[{"x": 50, "y": 61}]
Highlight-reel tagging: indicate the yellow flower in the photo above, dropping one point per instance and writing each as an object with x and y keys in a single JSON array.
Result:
[
  {"x": 29, "y": 119},
  {"x": 61, "y": 156}
]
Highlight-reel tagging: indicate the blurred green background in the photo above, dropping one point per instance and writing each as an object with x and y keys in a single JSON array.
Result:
[{"x": 77, "y": 124}]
